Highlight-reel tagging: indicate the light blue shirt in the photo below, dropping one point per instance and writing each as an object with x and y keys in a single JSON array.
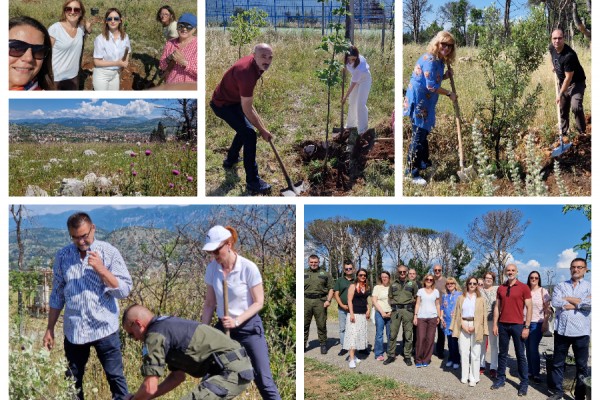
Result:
[
  {"x": 91, "y": 308},
  {"x": 577, "y": 322}
]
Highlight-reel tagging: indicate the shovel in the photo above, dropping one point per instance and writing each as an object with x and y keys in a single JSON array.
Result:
[
  {"x": 465, "y": 174},
  {"x": 226, "y": 302},
  {"x": 562, "y": 147},
  {"x": 291, "y": 190}
]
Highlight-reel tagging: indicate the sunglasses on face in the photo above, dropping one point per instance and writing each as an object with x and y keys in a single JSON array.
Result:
[
  {"x": 362, "y": 276},
  {"x": 448, "y": 45},
  {"x": 537, "y": 278},
  {"x": 472, "y": 283},
  {"x": 186, "y": 26},
  {"x": 347, "y": 269},
  {"x": 111, "y": 19},
  {"x": 72, "y": 10},
  {"x": 16, "y": 48},
  {"x": 577, "y": 266},
  {"x": 216, "y": 251},
  {"x": 429, "y": 280},
  {"x": 437, "y": 270},
  {"x": 403, "y": 272}
]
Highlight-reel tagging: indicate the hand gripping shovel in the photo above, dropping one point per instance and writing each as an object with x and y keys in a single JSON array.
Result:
[
  {"x": 562, "y": 147},
  {"x": 465, "y": 174},
  {"x": 291, "y": 190}
]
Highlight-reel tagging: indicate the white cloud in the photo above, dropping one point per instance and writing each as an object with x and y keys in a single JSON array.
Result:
[
  {"x": 38, "y": 112},
  {"x": 94, "y": 109},
  {"x": 565, "y": 258}
]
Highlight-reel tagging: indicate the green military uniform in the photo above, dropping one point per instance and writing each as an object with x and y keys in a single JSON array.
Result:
[
  {"x": 401, "y": 297},
  {"x": 317, "y": 285},
  {"x": 200, "y": 351}
]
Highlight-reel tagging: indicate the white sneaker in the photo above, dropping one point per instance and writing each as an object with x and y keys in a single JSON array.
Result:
[
  {"x": 419, "y": 181},
  {"x": 472, "y": 384},
  {"x": 463, "y": 382},
  {"x": 357, "y": 360},
  {"x": 455, "y": 366},
  {"x": 449, "y": 364},
  {"x": 352, "y": 364}
]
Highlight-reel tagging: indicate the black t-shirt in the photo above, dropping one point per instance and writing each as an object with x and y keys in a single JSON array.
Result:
[{"x": 566, "y": 61}]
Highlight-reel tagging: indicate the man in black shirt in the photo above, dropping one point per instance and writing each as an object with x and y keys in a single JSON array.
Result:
[{"x": 571, "y": 80}]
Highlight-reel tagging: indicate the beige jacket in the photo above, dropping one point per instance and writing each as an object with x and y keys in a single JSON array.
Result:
[{"x": 480, "y": 322}]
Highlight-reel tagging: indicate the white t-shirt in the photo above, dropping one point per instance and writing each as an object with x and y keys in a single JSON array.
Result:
[
  {"x": 362, "y": 72},
  {"x": 66, "y": 52},
  {"x": 170, "y": 31},
  {"x": 244, "y": 276},
  {"x": 111, "y": 49},
  {"x": 381, "y": 292},
  {"x": 427, "y": 308}
]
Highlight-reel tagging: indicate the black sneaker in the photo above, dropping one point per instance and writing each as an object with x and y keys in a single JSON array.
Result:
[
  {"x": 555, "y": 396},
  {"x": 389, "y": 360},
  {"x": 259, "y": 187},
  {"x": 227, "y": 164},
  {"x": 323, "y": 349},
  {"x": 497, "y": 385},
  {"x": 407, "y": 361},
  {"x": 522, "y": 392},
  {"x": 343, "y": 352}
]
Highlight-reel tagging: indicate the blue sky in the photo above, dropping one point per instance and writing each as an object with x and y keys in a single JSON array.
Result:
[
  {"x": 518, "y": 8},
  {"x": 85, "y": 108},
  {"x": 60, "y": 208},
  {"x": 547, "y": 244}
]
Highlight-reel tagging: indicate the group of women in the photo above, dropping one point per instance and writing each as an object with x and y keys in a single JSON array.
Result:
[
  {"x": 466, "y": 318},
  {"x": 51, "y": 59}
]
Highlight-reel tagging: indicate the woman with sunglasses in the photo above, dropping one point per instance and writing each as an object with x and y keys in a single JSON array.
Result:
[
  {"x": 67, "y": 44},
  {"x": 541, "y": 301},
  {"x": 29, "y": 55},
  {"x": 469, "y": 325},
  {"x": 179, "y": 60},
  {"x": 422, "y": 96},
  {"x": 356, "y": 326},
  {"x": 246, "y": 298},
  {"x": 489, "y": 292},
  {"x": 383, "y": 313},
  {"x": 447, "y": 310},
  {"x": 426, "y": 319},
  {"x": 112, "y": 51},
  {"x": 168, "y": 20}
]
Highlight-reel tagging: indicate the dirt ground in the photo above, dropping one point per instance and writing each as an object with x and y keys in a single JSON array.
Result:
[{"x": 141, "y": 74}]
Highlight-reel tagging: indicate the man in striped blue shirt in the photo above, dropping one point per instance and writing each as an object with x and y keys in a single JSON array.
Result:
[
  {"x": 88, "y": 277},
  {"x": 572, "y": 300}
]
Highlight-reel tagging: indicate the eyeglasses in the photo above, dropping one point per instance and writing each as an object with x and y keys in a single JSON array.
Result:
[
  {"x": 448, "y": 45},
  {"x": 480, "y": 284},
  {"x": 216, "y": 251},
  {"x": 83, "y": 237},
  {"x": 16, "y": 48},
  {"x": 362, "y": 275},
  {"x": 402, "y": 272},
  {"x": 73, "y": 10},
  {"x": 450, "y": 284},
  {"x": 437, "y": 270},
  {"x": 472, "y": 283},
  {"x": 428, "y": 280},
  {"x": 165, "y": 14},
  {"x": 111, "y": 19},
  {"x": 532, "y": 278},
  {"x": 186, "y": 26},
  {"x": 577, "y": 266},
  {"x": 348, "y": 269}
]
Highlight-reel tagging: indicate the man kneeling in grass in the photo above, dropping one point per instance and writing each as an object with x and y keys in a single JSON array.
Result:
[{"x": 186, "y": 347}]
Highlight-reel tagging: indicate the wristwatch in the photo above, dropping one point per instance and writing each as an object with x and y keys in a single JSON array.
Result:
[
  {"x": 448, "y": 94},
  {"x": 526, "y": 327}
]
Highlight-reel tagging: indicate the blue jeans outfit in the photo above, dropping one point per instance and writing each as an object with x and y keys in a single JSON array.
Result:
[
  {"x": 418, "y": 151},
  {"x": 251, "y": 335},
  {"x": 342, "y": 315},
  {"x": 581, "y": 348},
  {"x": 380, "y": 324},
  {"x": 245, "y": 136},
  {"x": 453, "y": 351},
  {"x": 108, "y": 350},
  {"x": 532, "y": 348},
  {"x": 505, "y": 333}
]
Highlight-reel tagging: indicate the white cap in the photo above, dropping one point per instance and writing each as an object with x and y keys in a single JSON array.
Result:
[{"x": 215, "y": 236}]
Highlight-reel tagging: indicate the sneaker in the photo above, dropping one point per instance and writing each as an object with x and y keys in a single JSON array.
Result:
[
  {"x": 463, "y": 382},
  {"x": 389, "y": 360},
  {"x": 380, "y": 358},
  {"x": 455, "y": 366},
  {"x": 352, "y": 364},
  {"x": 555, "y": 396},
  {"x": 449, "y": 364},
  {"x": 343, "y": 352},
  {"x": 323, "y": 349},
  {"x": 357, "y": 360},
  {"x": 497, "y": 385},
  {"x": 493, "y": 374},
  {"x": 425, "y": 364},
  {"x": 419, "y": 181},
  {"x": 418, "y": 365},
  {"x": 259, "y": 187},
  {"x": 522, "y": 392},
  {"x": 227, "y": 164},
  {"x": 472, "y": 384},
  {"x": 536, "y": 379},
  {"x": 407, "y": 361}
]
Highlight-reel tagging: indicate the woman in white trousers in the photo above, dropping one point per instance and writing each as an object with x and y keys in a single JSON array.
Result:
[
  {"x": 488, "y": 292},
  {"x": 358, "y": 92}
]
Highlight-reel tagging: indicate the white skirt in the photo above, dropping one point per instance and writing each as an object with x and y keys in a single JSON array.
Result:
[{"x": 356, "y": 333}]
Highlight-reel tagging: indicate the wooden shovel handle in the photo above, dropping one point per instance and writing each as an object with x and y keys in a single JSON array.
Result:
[
  {"x": 226, "y": 303},
  {"x": 458, "y": 120}
]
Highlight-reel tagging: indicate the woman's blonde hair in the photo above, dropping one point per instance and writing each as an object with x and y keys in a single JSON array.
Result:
[
  {"x": 452, "y": 280},
  {"x": 434, "y": 46}
]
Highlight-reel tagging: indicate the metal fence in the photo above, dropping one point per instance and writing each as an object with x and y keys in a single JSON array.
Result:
[{"x": 368, "y": 14}]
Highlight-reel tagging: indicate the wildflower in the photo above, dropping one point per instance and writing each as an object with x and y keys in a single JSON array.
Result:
[
  {"x": 190, "y": 178},
  {"x": 134, "y": 173},
  {"x": 175, "y": 172},
  {"x": 131, "y": 165},
  {"x": 148, "y": 152},
  {"x": 132, "y": 154},
  {"x": 171, "y": 185}
]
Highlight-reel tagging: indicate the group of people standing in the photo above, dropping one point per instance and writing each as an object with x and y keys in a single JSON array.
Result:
[
  {"x": 55, "y": 59},
  {"x": 481, "y": 317}
]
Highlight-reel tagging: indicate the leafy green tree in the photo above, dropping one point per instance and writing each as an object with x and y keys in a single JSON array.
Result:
[
  {"x": 586, "y": 240},
  {"x": 245, "y": 27},
  {"x": 430, "y": 32},
  {"x": 461, "y": 257},
  {"x": 457, "y": 13}
]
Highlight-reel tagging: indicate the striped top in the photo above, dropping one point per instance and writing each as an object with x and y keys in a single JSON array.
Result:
[
  {"x": 91, "y": 308},
  {"x": 576, "y": 322},
  {"x": 179, "y": 73}
]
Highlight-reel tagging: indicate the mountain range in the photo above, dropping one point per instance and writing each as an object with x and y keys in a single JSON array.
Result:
[{"x": 128, "y": 123}]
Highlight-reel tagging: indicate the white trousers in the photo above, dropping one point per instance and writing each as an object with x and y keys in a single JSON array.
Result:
[
  {"x": 358, "y": 114},
  {"x": 107, "y": 79},
  {"x": 469, "y": 355},
  {"x": 492, "y": 347}
]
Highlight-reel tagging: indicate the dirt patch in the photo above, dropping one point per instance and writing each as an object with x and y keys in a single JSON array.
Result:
[{"x": 141, "y": 74}]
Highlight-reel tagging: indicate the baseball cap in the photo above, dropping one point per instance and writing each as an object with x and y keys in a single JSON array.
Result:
[
  {"x": 215, "y": 236},
  {"x": 188, "y": 18}
]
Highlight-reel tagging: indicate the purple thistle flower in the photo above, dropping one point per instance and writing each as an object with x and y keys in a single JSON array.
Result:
[
  {"x": 175, "y": 172},
  {"x": 148, "y": 152},
  {"x": 134, "y": 173},
  {"x": 171, "y": 185},
  {"x": 132, "y": 154},
  {"x": 190, "y": 178},
  {"x": 132, "y": 164}
]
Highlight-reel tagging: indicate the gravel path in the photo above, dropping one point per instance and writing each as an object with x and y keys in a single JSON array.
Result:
[{"x": 434, "y": 378}]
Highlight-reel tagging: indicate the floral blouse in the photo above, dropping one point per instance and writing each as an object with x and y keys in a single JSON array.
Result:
[{"x": 447, "y": 308}]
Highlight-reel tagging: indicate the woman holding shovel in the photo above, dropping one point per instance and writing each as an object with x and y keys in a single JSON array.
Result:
[
  {"x": 422, "y": 96},
  {"x": 233, "y": 279},
  {"x": 358, "y": 92}
]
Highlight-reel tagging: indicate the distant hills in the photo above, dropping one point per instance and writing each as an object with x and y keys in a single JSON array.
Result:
[{"x": 111, "y": 124}]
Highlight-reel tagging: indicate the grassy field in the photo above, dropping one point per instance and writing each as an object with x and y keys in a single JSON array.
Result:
[
  {"x": 470, "y": 86},
  {"x": 292, "y": 103},
  {"x": 169, "y": 170}
]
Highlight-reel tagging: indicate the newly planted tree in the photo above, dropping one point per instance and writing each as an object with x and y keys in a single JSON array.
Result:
[{"x": 245, "y": 27}]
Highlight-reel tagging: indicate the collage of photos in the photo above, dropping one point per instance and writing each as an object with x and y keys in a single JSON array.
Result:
[{"x": 155, "y": 248}]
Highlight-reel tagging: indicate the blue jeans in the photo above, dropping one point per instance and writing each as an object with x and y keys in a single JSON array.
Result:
[
  {"x": 245, "y": 136},
  {"x": 418, "y": 151},
  {"x": 532, "y": 348},
  {"x": 581, "y": 348},
  {"x": 453, "y": 351},
  {"x": 505, "y": 333},
  {"x": 108, "y": 350},
  {"x": 380, "y": 324},
  {"x": 342, "y": 321}
]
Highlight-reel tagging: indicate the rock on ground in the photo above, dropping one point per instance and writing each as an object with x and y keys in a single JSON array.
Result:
[
  {"x": 71, "y": 187},
  {"x": 35, "y": 191}
]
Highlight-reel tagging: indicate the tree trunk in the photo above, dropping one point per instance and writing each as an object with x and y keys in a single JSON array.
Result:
[{"x": 507, "y": 19}]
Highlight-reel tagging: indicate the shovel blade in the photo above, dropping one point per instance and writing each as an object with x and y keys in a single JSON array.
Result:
[
  {"x": 294, "y": 190},
  {"x": 560, "y": 149}
]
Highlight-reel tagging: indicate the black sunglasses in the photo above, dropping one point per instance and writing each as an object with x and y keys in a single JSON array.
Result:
[
  {"x": 110, "y": 19},
  {"x": 185, "y": 26},
  {"x": 73, "y": 10},
  {"x": 16, "y": 48}
]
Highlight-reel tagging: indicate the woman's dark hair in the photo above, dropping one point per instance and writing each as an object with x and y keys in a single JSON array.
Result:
[
  {"x": 62, "y": 10},
  {"x": 352, "y": 52},
  {"x": 539, "y": 281},
  {"x": 366, "y": 281},
  {"x": 45, "y": 77},
  {"x": 384, "y": 272},
  {"x": 121, "y": 26},
  {"x": 169, "y": 9}
]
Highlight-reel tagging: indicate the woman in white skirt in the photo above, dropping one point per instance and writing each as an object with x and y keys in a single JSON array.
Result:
[
  {"x": 356, "y": 325},
  {"x": 358, "y": 92},
  {"x": 109, "y": 52}
]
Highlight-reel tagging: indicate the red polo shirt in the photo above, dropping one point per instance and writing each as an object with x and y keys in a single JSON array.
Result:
[
  {"x": 239, "y": 81},
  {"x": 513, "y": 303}
]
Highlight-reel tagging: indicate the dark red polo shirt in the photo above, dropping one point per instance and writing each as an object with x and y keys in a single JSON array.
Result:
[
  {"x": 238, "y": 82},
  {"x": 512, "y": 304}
]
